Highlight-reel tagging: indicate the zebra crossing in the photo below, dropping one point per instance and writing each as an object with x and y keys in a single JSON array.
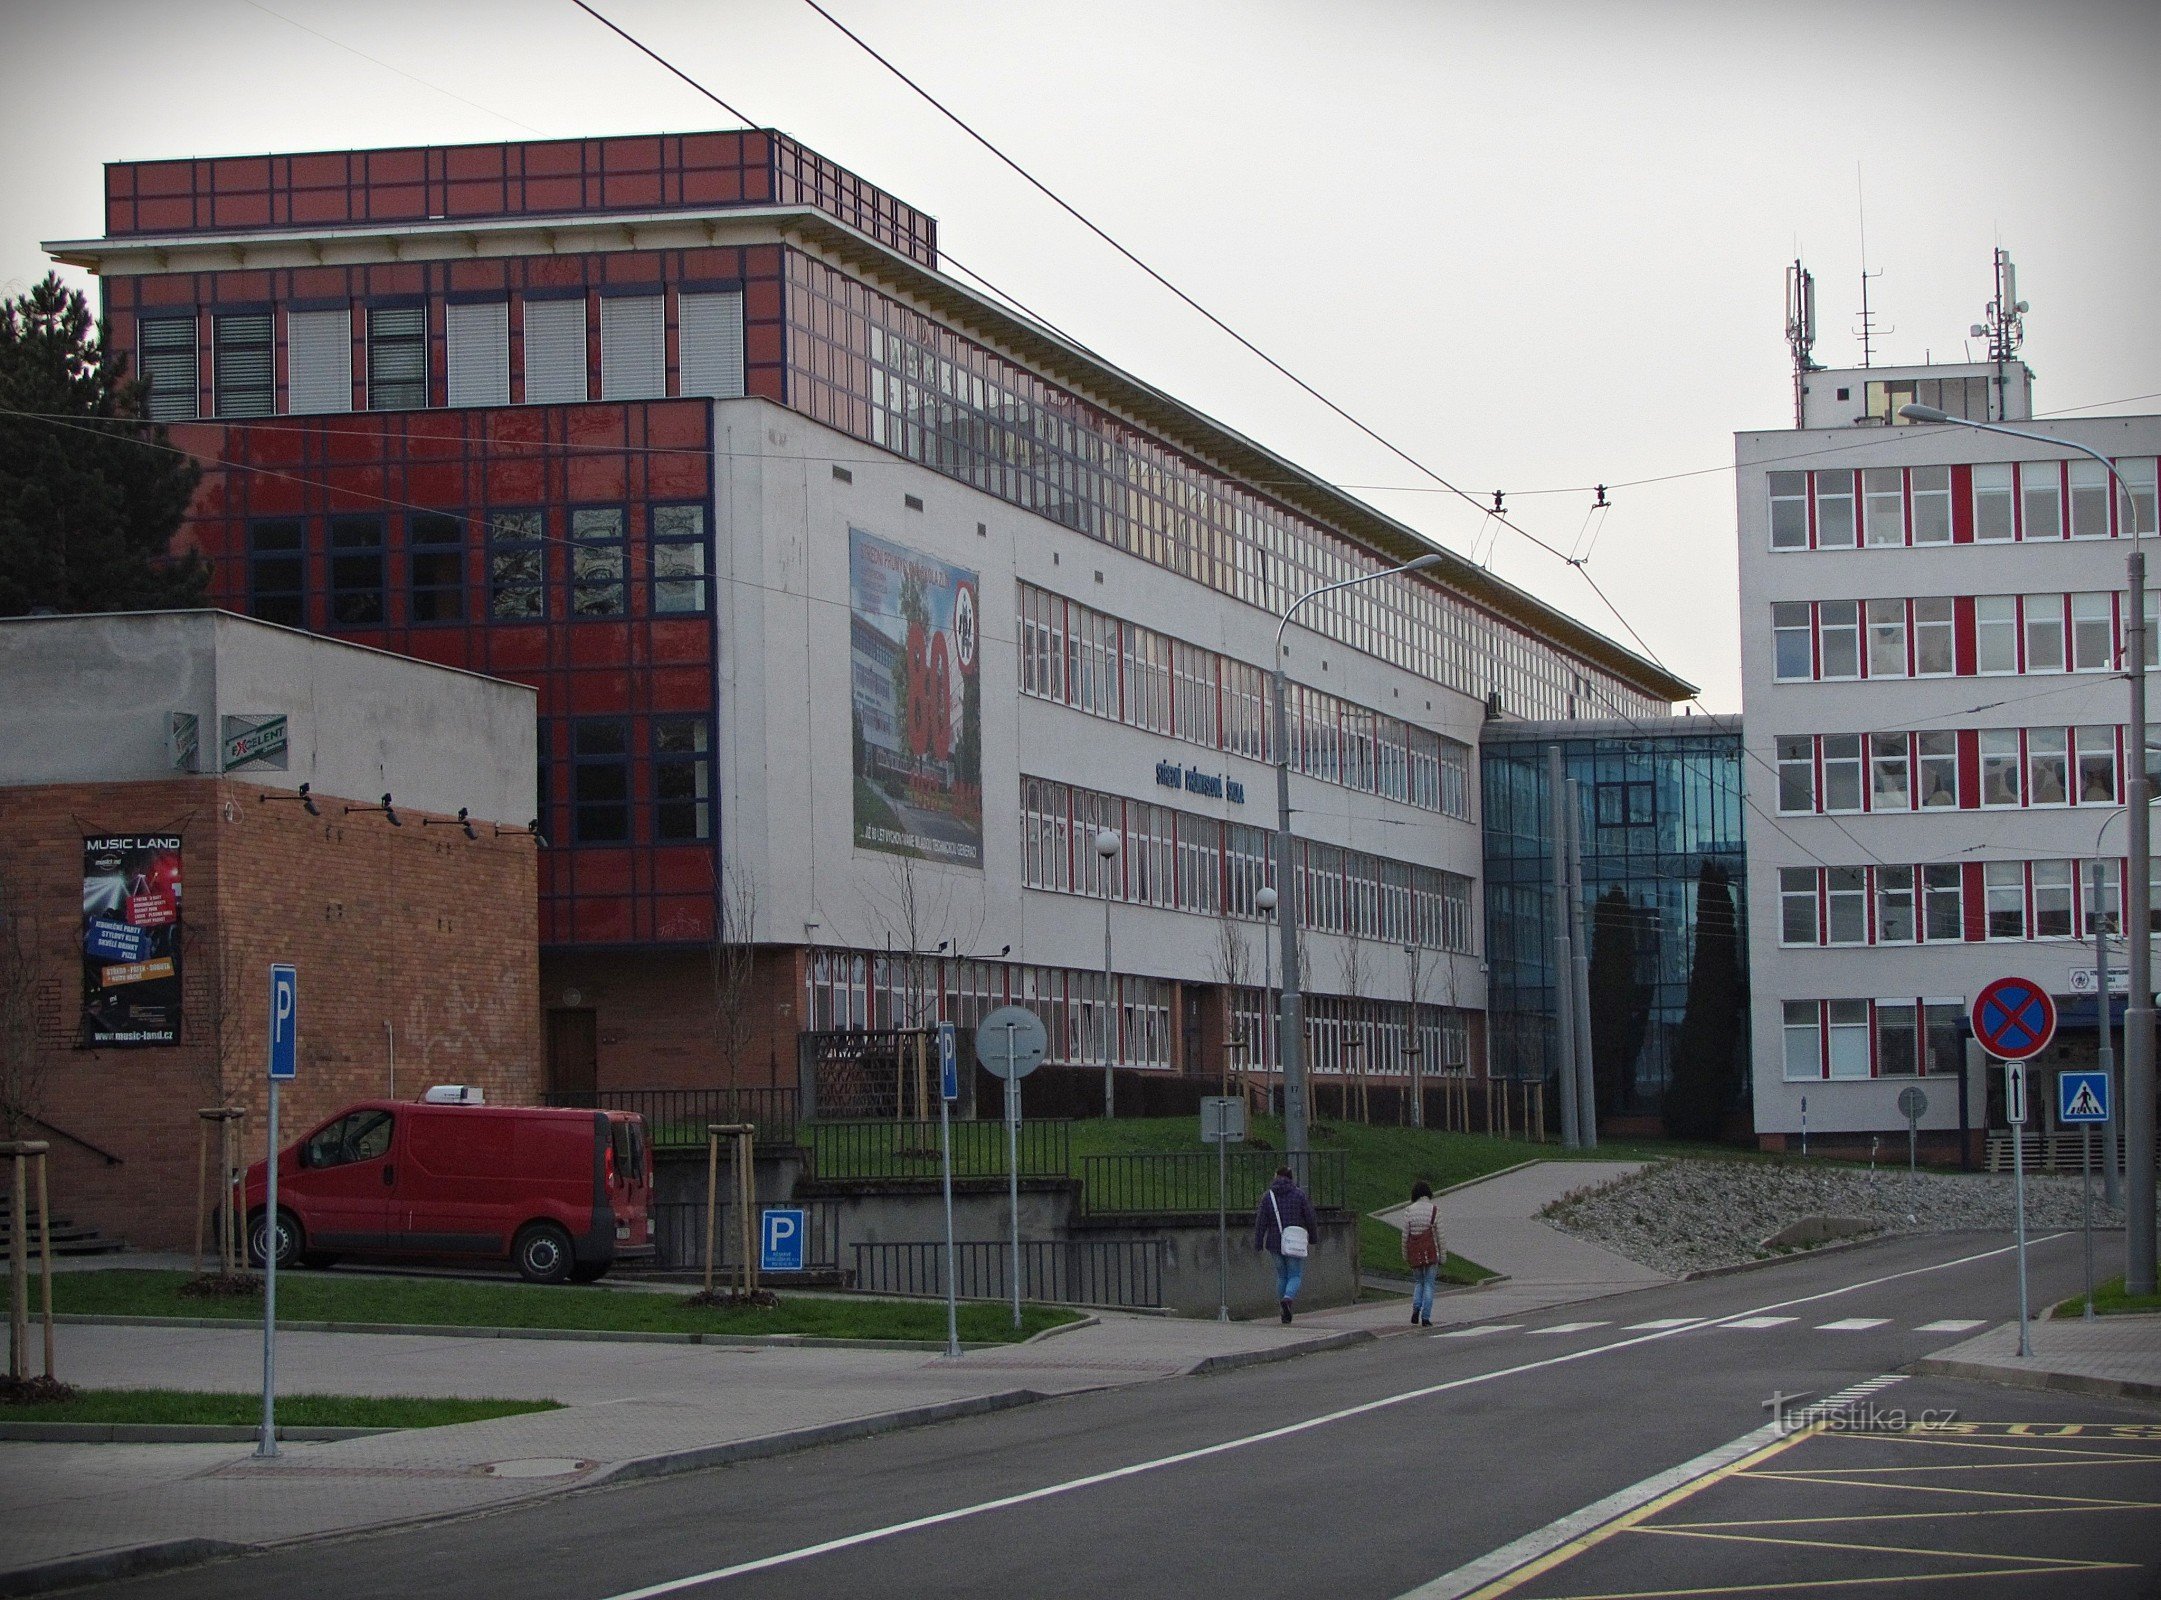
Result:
[{"x": 1709, "y": 1324}]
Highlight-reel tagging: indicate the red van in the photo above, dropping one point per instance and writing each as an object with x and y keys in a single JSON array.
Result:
[{"x": 562, "y": 1194}]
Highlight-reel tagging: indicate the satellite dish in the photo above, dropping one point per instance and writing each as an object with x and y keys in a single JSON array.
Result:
[{"x": 1977, "y": 331}]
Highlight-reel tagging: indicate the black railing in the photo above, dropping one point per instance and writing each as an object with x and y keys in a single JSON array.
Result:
[
  {"x": 679, "y": 1236},
  {"x": 1084, "y": 1272},
  {"x": 676, "y": 1118},
  {"x": 1185, "y": 1181},
  {"x": 849, "y": 1150}
]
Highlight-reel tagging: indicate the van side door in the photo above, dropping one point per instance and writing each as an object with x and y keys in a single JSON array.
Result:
[{"x": 347, "y": 1171}]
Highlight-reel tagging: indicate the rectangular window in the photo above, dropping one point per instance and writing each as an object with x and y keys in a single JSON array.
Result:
[
  {"x": 679, "y": 561},
  {"x": 2005, "y": 883},
  {"x": 277, "y": 572},
  {"x": 244, "y": 386},
  {"x": 1934, "y": 638},
  {"x": 1886, "y": 638},
  {"x": 165, "y": 353},
  {"x": 1803, "y": 1039},
  {"x": 2044, "y": 632},
  {"x": 596, "y": 561},
  {"x": 397, "y": 358},
  {"x": 1943, "y": 904},
  {"x": 1890, "y": 773},
  {"x": 1931, "y": 488},
  {"x": 1840, "y": 627},
  {"x": 2103, "y": 902},
  {"x": 2052, "y": 899},
  {"x": 2093, "y": 644},
  {"x": 710, "y": 331},
  {"x": 1796, "y": 772},
  {"x": 600, "y": 780},
  {"x": 1937, "y": 753},
  {"x": 2048, "y": 767},
  {"x": 2137, "y": 474},
  {"x": 356, "y": 572},
  {"x": 1789, "y": 511},
  {"x": 1946, "y": 1049},
  {"x": 319, "y": 361},
  {"x": 2090, "y": 492},
  {"x": 435, "y": 561},
  {"x": 633, "y": 347},
  {"x": 1848, "y": 1038},
  {"x": 2097, "y": 766},
  {"x": 1834, "y": 510},
  {"x": 1995, "y": 629},
  {"x": 517, "y": 567},
  {"x": 555, "y": 368},
  {"x": 1842, "y": 772},
  {"x": 1883, "y": 505},
  {"x": 1631, "y": 804},
  {"x": 476, "y": 339},
  {"x": 1993, "y": 521},
  {"x": 1789, "y": 633},
  {"x": 2000, "y": 767},
  {"x": 1845, "y": 903},
  {"x": 1894, "y": 905},
  {"x": 2040, "y": 485},
  {"x": 682, "y": 780},
  {"x": 1898, "y": 1039}
]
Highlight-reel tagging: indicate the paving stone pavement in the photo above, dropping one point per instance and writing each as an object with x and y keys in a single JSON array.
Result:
[{"x": 2118, "y": 1355}]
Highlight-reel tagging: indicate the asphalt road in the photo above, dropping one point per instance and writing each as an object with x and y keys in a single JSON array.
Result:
[{"x": 1369, "y": 1472}]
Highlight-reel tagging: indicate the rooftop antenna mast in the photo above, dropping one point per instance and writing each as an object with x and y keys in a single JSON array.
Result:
[
  {"x": 1868, "y": 329},
  {"x": 2003, "y": 324},
  {"x": 1801, "y": 332}
]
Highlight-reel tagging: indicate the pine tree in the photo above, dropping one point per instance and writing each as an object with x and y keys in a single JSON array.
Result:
[
  {"x": 88, "y": 502},
  {"x": 1620, "y": 1000},
  {"x": 1707, "y": 1048}
]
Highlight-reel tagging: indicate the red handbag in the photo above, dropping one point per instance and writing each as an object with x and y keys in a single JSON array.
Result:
[{"x": 1423, "y": 1248}]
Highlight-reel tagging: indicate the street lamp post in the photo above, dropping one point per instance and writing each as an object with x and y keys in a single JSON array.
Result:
[
  {"x": 1266, "y": 901},
  {"x": 1106, "y": 848},
  {"x": 2138, "y": 1016},
  {"x": 1290, "y": 1041}
]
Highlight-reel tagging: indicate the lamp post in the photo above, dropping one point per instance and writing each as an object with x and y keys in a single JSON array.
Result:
[
  {"x": 2138, "y": 1016},
  {"x": 1290, "y": 1041},
  {"x": 1106, "y": 848},
  {"x": 1266, "y": 901}
]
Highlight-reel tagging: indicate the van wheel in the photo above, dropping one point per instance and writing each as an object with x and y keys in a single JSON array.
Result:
[
  {"x": 292, "y": 1240},
  {"x": 542, "y": 1253}
]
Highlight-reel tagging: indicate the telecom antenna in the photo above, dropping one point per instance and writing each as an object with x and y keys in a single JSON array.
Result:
[
  {"x": 1868, "y": 329},
  {"x": 2003, "y": 324},
  {"x": 1800, "y": 332}
]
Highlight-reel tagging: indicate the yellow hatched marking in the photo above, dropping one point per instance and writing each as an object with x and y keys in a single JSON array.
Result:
[
  {"x": 1794, "y": 1585},
  {"x": 2052, "y": 1563}
]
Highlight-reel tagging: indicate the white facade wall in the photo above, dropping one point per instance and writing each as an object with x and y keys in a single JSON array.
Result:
[{"x": 1907, "y": 972}]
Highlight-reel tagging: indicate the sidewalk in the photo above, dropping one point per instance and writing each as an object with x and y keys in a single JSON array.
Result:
[{"x": 2119, "y": 1356}]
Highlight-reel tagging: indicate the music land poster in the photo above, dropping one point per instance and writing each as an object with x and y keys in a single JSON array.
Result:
[
  {"x": 131, "y": 940},
  {"x": 915, "y": 702}
]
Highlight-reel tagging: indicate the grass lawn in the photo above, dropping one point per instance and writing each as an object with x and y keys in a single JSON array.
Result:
[
  {"x": 246, "y": 1410},
  {"x": 2108, "y": 1297},
  {"x": 445, "y": 1302}
]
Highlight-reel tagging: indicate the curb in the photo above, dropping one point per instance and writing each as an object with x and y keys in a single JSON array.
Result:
[
  {"x": 170, "y": 1433},
  {"x": 1235, "y": 1359},
  {"x": 1758, "y": 1265},
  {"x": 2038, "y": 1378},
  {"x": 110, "y": 1566},
  {"x": 426, "y": 1330}
]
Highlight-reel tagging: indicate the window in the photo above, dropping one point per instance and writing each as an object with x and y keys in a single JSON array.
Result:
[
  {"x": 166, "y": 355},
  {"x": 1890, "y": 773},
  {"x": 1934, "y": 637},
  {"x": 1789, "y": 632},
  {"x": 710, "y": 331},
  {"x": 2097, "y": 766},
  {"x": 361, "y": 1136},
  {"x": 2105, "y": 907},
  {"x": 1789, "y": 511},
  {"x": 2093, "y": 644},
  {"x": 1842, "y": 772},
  {"x": 1931, "y": 488},
  {"x": 555, "y": 369},
  {"x": 319, "y": 360},
  {"x": 476, "y": 340},
  {"x": 1797, "y": 906},
  {"x": 2138, "y": 477},
  {"x": 356, "y": 572},
  {"x": 1943, "y": 903},
  {"x": 1796, "y": 772},
  {"x": 244, "y": 375},
  {"x": 1845, "y": 904},
  {"x": 1834, "y": 510},
  {"x": 2044, "y": 633},
  {"x": 1883, "y": 505},
  {"x": 517, "y": 567},
  {"x": 1999, "y": 767},
  {"x": 1946, "y": 1049},
  {"x": 2048, "y": 767},
  {"x": 2052, "y": 899},
  {"x": 1898, "y": 1039},
  {"x": 1995, "y": 630},
  {"x": 633, "y": 347},
  {"x": 397, "y": 358},
  {"x": 2040, "y": 486},
  {"x": 679, "y": 560},
  {"x": 1993, "y": 521},
  {"x": 596, "y": 561},
  {"x": 1937, "y": 754},
  {"x": 1042, "y": 644},
  {"x": 682, "y": 780},
  {"x": 277, "y": 572},
  {"x": 1894, "y": 905},
  {"x": 2005, "y": 885},
  {"x": 1841, "y": 637},
  {"x": 1848, "y": 1038},
  {"x": 600, "y": 780},
  {"x": 1804, "y": 1039},
  {"x": 1886, "y": 638},
  {"x": 1631, "y": 804},
  {"x": 435, "y": 562},
  {"x": 2090, "y": 492}
]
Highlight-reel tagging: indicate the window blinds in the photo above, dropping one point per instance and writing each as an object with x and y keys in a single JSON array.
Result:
[
  {"x": 712, "y": 335},
  {"x": 633, "y": 347},
  {"x": 166, "y": 359},
  {"x": 554, "y": 351},
  {"x": 479, "y": 353},
  {"x": 319, "y": 360}
]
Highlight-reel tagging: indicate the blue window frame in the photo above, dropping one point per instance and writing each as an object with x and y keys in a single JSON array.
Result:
[
  {"x": 435, "y": 568},
  {"x": 682, "y": 780},
  {"x": 597, "y": 562},
  {"x": 277, "y": 572},
  {"x": 356, "y": 572},
  {"x": 517, "y": 567},
  {"x": 600, "y": 780},
  {"x": 679, "y": 561}
]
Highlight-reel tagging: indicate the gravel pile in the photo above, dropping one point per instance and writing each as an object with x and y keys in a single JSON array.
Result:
[{"x": 1684, "y": 1216}]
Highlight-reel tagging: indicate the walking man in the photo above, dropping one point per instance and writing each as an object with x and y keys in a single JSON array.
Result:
[{"x": 1283, "y": 1225}]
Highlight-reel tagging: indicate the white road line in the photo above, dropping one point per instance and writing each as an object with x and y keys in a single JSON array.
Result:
[
  {"x": 1472, "y": 1333},
  {"x": 1851, "y": 1324},
  {"x": 1757, "y": 1322},
  {"x": 1951, "y": 1325},
  {"x": 1572, "y": 1327},
  {"x": 1289, "y": 1430},
  {"x": 1668, "y": 1322}
]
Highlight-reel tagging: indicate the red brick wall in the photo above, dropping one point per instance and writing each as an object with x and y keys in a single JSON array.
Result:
[
  {"x": 655, "y": 1016},
  {"x": 418, "y": 928}
]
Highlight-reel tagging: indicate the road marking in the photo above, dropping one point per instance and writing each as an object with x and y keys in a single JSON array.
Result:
[
  {"x": 1668, "y": 1322},
  {"x": 1951, "y": 1325},
  {"x": 1572, "y": 1327},
  {"x": 1851, "y": 1325},
  {"x": 1472, "y": 1333},
  {"x": 1289, "y": 1430},
  {"x": 1757, "y": 1322}
]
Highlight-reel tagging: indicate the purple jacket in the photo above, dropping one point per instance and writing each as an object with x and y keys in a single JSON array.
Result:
[{"x": 1296, "y": 1210}]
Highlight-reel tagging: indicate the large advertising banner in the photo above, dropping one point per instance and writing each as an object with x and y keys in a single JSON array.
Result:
[
  {"x": 131, "y": 939},
  {"x": 917, "y": 703}
]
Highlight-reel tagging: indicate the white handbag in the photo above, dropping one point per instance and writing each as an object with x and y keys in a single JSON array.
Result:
[{"x": 1295, "y": 1242}]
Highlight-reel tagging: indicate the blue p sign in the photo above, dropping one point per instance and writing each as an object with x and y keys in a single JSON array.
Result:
[
  {"x": 948, "y": 1061},
  {"x": 284, "y": 1023},
  {"x": 780, "y": 1243}
]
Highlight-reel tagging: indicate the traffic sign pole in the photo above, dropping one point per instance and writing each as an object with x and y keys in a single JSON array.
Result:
[
  {"x": 2085, "y": 1196},
  {"x": 283, "y": 1063},
  {"x": 2014, "y": 1018},
  {"x": 1012, "y": 1164},
  {"x": 2014, "y": 1101},
  {"x": 948, "y": 1090}
]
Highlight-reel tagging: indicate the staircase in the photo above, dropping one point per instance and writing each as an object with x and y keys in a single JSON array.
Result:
[{"x": 68, "y": 1238}]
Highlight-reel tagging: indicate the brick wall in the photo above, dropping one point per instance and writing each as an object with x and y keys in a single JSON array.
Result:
[
  {"x": 414, "y": 937},
  {"x": 654, "y": 1016}
]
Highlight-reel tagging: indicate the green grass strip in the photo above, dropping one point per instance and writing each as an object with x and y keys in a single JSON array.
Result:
[
  {"x": 202, "y": 1407},
  {"x": 2109, "y": 1299}
]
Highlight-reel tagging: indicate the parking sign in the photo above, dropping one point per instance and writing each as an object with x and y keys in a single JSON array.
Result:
[
  {"x": 780, "y": 1240},
  {"x": 284, "y": 1023}
]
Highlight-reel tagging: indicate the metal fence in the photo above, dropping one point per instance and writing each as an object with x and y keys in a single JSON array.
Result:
[
  {"x": 842, "y": 1150},
  {"x": 676, "y": 1118},
  {"x": 1085, "y": 1272},
  {"x": 1185, "y": 1180},
  {"x": 679, "y": 1235}
]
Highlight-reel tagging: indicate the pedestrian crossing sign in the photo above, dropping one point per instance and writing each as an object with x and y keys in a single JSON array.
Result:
[{"x": 2082, "y": 1097}]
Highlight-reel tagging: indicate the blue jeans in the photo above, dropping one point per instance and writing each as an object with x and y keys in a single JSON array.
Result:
[
  {"x": 1422, "y": 1289},
  {"x": 1290, "y": 1273}
]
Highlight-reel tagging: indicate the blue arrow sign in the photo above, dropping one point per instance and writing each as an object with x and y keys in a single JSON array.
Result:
[{"x": 2082, "y": 1097}]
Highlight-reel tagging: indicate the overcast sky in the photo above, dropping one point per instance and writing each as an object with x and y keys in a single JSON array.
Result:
[{"x": 1539, "y": 245}]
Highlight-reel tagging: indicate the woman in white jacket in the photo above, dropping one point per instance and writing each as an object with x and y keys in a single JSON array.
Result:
[{"x": 1423, "y": 1250}]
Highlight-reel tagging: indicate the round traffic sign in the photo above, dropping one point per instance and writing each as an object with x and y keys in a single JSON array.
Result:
[
  {"x": 1911, "y": 1103},
  {"x": 2014, "y": 1019},
  {"x": 1010, "y": 1042}
]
